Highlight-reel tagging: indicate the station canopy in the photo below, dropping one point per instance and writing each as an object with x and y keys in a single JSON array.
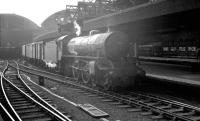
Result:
[{"x": 47, "y": 36}]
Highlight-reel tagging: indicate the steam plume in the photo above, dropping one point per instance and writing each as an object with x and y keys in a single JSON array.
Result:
[{"x": 78, "y": 28}]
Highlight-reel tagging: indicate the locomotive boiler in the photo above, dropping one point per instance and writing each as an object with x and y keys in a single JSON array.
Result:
[
  {"x": 102, "y": 60},
  {"x": 108, "y": 45}
]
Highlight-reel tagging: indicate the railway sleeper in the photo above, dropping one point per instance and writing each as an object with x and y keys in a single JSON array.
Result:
[
  {"x": 107, "y": 100},
  {"x": 47, "y": 100},
  {"x": 153, "y": 103},
  {"x": 195, "y": 118},
  {"x": 11, "y": 78},
  {"x": 20, "y": 102},
  {"x": 17, "y": 83},
  {"x": 101, "y": 97},
  {"x": 115, "y": 103},
  {"x": 87, "y": 93},
  {"x": 33, "y": 116},
  {"x": 25, "y": 107},
  {"x": 185, "y": 113},
  {"x": 174, "y": 110},
  {"x": 164, "y": 106},
  {"x": 145, "y": 100},
  {"x": 134, "y": 110},
  {"x": 23, "y": 104},
  {"x": 147, "y": 113},
  {"x": 13, "y": 94},
  {"x": 28, "y": 111},
  {"x": 92, "y": 95},
  {"x": 157, "y": 117},
  {"x": 10, "y": 91},
  {"x": 17, "y": 99},
  {"x": 124, "y": 106},
  {"x": 50, "y": 102},
  {"x": 39, "y": 93}
]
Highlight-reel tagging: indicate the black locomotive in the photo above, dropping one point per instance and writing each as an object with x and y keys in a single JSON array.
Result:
[{"x": 99, "y": 60}]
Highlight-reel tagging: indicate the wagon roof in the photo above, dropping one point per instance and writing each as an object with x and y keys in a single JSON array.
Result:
[{"x": 47, "y": 36}]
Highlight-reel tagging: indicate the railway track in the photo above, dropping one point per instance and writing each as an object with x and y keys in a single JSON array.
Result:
[
  {"x": 4, "y": 112},
  {"x": 154, "y": 107},
  {"x": 22, "y": 103},
  {"x": 2, "y": 66}
]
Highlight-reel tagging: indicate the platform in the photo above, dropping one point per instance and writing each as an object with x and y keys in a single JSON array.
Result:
[
  {"x": 169, "y": 60},
  {"x": 171, "y": 73}
]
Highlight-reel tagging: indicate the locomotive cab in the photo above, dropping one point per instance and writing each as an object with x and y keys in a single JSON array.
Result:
[{"x": 120, "y": 74}]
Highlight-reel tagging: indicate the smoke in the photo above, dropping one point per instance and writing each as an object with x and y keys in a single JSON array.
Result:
[
  {"x": 78, "y": 28},
  {"x": 51, "y": 65}
]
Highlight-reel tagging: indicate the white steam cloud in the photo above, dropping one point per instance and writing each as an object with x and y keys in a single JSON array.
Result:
[{"x": 78, "y": 28}]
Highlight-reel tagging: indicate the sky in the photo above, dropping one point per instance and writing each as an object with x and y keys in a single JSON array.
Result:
[{"x": 35, "y": 10}]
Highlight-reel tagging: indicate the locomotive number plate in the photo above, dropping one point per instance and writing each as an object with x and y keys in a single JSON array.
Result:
[{"x": 93, "y": 111}]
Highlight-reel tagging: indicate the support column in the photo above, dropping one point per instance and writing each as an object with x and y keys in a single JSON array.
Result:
[{"x": 136, "y": 49}]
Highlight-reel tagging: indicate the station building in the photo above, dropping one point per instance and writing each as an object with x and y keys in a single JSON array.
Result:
[{"x": 15, "y": 30}]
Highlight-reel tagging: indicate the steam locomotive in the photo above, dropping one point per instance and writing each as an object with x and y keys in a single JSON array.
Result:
[{"x": 100, "y": 59}]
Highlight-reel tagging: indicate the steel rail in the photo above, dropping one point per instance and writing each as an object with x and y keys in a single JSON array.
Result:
[
  {"x": 34, "y": 101},
  {"x": 38, "y": 98},
  {"x": 164, "y": 100},
  {"x": 55, "y": 115},
  {"x": 41, "y": 71},
  {"x": 134, "y": 103},
  {"x": 131, "y": 101},
  {"x": 8, "y": 104},
  {"x": 5, "y": 114}
]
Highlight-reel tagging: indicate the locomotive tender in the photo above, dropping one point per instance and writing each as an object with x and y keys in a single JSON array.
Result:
[{"x": 100, "y": 60}]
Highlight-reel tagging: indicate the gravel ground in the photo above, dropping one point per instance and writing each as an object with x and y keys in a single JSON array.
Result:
[
  {"x": 169, "y": 91},
  {"x": 115, "y": 113},
  {"x": 63, "y": 106}
]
